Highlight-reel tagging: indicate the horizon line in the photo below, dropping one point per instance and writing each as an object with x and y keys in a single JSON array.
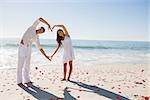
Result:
[{"x": 86, "y": 39}]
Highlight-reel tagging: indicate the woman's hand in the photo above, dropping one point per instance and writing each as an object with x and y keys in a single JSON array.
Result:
[
  {"x": 53, "y": 27},
  {"x": 51, "y": 57},
  {"x": 58, "y": 26}
]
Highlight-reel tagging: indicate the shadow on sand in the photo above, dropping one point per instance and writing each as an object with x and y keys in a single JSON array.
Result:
[
  {"x": 67, "y": 96},
  {"x": 40, "y": 94},
  {"x": 101, "y": 92}
]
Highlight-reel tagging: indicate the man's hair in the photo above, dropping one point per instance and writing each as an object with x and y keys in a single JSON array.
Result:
[{"x": 43, "y": 29}]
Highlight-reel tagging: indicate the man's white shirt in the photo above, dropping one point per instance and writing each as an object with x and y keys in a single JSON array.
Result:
[{"x": 30, "y": 35}]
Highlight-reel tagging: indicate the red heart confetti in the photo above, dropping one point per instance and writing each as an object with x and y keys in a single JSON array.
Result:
[{"x": 36, "y": 68}]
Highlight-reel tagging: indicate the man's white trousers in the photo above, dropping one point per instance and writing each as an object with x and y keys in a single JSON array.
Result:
[{"x": 23, "y": 69}]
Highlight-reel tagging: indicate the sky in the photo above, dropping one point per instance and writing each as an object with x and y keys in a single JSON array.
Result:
[{"x": 125, "y": 20}]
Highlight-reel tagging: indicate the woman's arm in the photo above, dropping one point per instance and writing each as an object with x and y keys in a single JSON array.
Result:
[
  {"x": 64, "y": 28},
  {"x": 55, "y": 50},
  {"x": 42, "y": 51}
]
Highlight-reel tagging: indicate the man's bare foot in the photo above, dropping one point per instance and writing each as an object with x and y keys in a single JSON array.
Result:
[
  {"x": 29, "y": 84},
  {"x": 20, "y": 84}
]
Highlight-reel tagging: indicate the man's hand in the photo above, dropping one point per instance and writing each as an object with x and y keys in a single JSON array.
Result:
[
  {"x": 49, "y": 58},
  {"x": 42, "y": 51},
  {"x": 49, "y": 27},
  {"x": 53, "y": 27}
]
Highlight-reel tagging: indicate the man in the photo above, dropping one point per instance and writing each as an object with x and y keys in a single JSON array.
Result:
[{"x": 24, "y": 53}]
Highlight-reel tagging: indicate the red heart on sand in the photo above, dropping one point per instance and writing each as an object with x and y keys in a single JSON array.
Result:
[
  {"x": 146, "y": 98},
  {"x": 142, "y": 70},
  {"x": 112, "y": 87},
  {"x": 80, "y": 90},
  {"x": 36, "y": 68}
]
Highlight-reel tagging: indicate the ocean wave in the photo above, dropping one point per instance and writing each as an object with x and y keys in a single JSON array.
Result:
[{"x": 86, "y": 47}]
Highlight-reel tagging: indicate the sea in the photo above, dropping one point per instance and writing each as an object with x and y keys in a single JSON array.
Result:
[{"x": 91, "y": 52}]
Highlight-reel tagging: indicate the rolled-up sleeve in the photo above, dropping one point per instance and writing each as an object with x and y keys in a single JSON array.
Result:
[{"x": 37, "y": 43}]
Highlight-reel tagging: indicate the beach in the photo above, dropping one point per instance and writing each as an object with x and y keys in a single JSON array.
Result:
[
  {"x": 102, "y": 70},
  {"x": 96, "y": 82},
  {"x": 110, "y": 40}
]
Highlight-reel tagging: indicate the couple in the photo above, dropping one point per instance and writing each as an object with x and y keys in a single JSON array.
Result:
[{"x": 32, "y": 36}]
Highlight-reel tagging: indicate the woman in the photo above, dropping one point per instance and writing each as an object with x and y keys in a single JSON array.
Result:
[{"x": 63, "y": 38}]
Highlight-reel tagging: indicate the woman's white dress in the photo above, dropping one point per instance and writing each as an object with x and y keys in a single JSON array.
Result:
[{"x": 68, "y": 50}]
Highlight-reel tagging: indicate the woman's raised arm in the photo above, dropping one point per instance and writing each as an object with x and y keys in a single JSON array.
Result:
[{"x": 64, "y": 28}]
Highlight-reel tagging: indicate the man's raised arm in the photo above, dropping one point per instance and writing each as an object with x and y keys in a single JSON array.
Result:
[{"x": 45, "y": 22}]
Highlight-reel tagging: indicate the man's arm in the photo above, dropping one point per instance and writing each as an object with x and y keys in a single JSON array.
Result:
[
  {"x": 37, "y": 43},
  {"x": 45, "y": 22},
  {"x": 43, "y": 52}
]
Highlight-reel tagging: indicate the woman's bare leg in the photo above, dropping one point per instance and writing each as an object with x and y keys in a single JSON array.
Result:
[
  {"x": 65, "y": 70},
  {"x": 70, "y": 71}
]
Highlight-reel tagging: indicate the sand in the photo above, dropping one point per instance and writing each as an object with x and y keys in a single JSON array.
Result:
[{"x": 89, "y": 82}]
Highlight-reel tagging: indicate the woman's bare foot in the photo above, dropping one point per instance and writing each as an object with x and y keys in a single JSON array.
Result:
[
  {"x": 63, "y": 79},
  {"x": 68, "y": 80}
]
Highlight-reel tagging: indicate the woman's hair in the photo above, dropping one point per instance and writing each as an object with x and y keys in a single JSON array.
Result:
[{"x": 59, "y": 38}]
